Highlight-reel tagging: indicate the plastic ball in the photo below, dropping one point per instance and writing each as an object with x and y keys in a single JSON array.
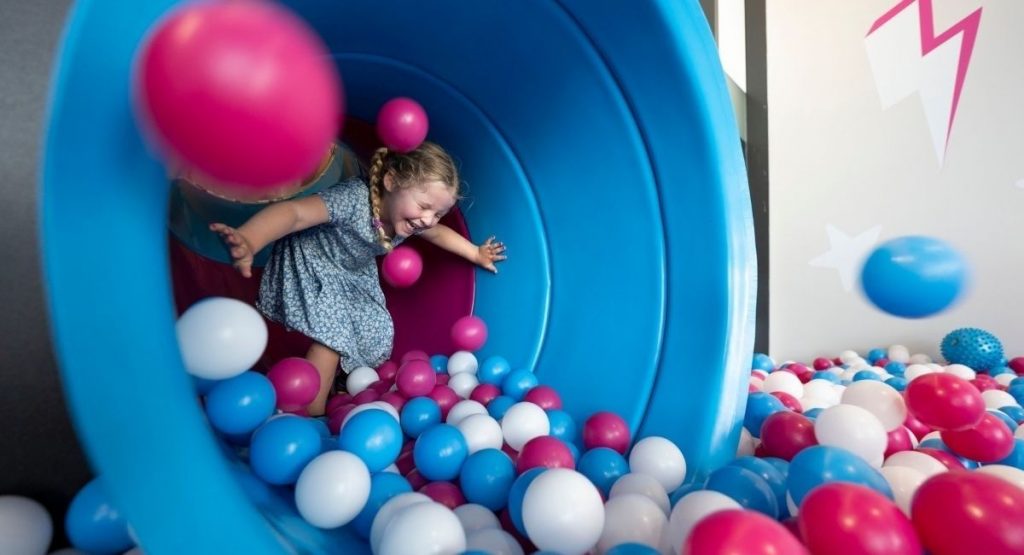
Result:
[
  {"x": 641, "y": 484},
  {"x": 771, "y": 474},
  {"x": 481, "y": 432},
  {"x": 969, "y": 512},
  {"x": 282, "y": 447},
  {"x": 606, "y": 429},
  {"x": 25, "y": 526},
  {"x": 439, "y": 363},
  {"x": 486, "y": 478},
  {"x": 475, "y": 517},
  {"x": 469, "y": 333},
  {"x": 484, "y": 393},
  {"x": 904, "y": 482},
  {"x": 785, "y": 433},
  {"x": 220, "y": 338},
  {"x": 402, "y": 124},
  {"x": 492, "y": 540},
  {"x": 562, "y": 426},
  {"x": 516, "y": 494},
  {"x": 439, "y": 452},
  {"x": 631, "y": 518},
  {"x": 423, "y": 528},
  {"x": 374, "y": 436},
  {"x": 854, "y": 429},
  {"x": 691, "y": 509},
  {"x": 332, "y": 489},
  {"x": 240, "y": 404},
  {"x": 603, "y": 466},
  {"x": 445, "y": 493},
  {"x": 544, "y": 397},
  {"x": 881, "y": 528},
  {"x": 749, "y": 489},
  {"x": 384, "y": 486},
  {"x": 419, "y": 414},
  {"x": 415, "y": 378},
  {"x": 820, "y": 464},
  {"x": 563, "y": 512},
  {"x": 361, "y": 378},
  {"x": 785, "y": 382},
  {"x": 402, "y": 267},
  {"x": 737, "y": 531},
  {"x": 546, "y": 452},
  {"x": 243, "y": 93},
  {"x": 913, "y": 277},
  {"x": 463, "y": 384},
  {"x": 523, "y": 422},
  {"x": 972, "y": 347},
  {"x": 445, "y": 398},
  {"x": 296, "y": 382},
  {"x": 518, "y": 383},
  {"x": 917, "y": 460},
  {"x": 759, "y": 407},
  {"x": 660, "y": 458},
  {"x": 93, "y": 524},
  {"x": 493, "y": 370},
  {"x": 762, "y": 361},
  {"x": 464, "y": 409},
  {"x": 988, "y": 441},
  {"x": 464, "y": 362},
  {"x": 499, "y": 406},
  {"x": 944, "y": 401}
]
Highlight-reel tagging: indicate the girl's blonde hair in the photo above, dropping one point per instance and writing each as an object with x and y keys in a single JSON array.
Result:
[{"x": 429, "y": 162}]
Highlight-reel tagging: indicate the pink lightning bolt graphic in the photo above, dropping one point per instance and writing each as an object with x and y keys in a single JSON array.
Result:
[{"x": 907, "y": 56}]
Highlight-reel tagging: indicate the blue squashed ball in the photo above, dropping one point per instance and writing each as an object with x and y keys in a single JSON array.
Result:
[{"x": 914, "y": 277}]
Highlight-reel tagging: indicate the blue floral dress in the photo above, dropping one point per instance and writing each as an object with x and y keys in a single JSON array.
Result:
[{"x": 323, "y": 281}]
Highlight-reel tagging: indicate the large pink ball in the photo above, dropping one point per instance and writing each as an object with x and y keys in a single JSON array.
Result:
[
  {"x": 469, "y": 333},
  {"x": 606, "y": 429},
  {"x": 445, "y": 397},
  {"x": 944, "y": 401},
  {"x": 969, "y": 512},
  {"x": 416, "y": 378},
  {"x": 850, "y": 519},
  {"x": 545, "y": 397},
  {"x": 243, "y": 93},
  {"x": 545, "y": 452},
  {"x": 737, "y": 531},
  {"x": 402, "y": 267},
  {"x": 402, "y": 124},
  {"x": 296, "y": 382}
]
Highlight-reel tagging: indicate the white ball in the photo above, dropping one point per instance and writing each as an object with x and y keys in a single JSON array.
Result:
[
  {"x": 563, "y": 512},
  {"x": 388, "y": 510},
  {"x": 220, "y": 338},
  {"x": 631, "y": 518},
  {"x": 660, "y": 458},
  {"x": 904, "y": 482},
  {"x": 1011, "y": 474},
  {"x": 920, "y": 358},
  {"x": 822, "y": 389},
  {"x": 642, "y": 484},
  {"x": 481, "y": 431},
  {"x": 691, "y": 509},
  {"x": 392, "y": 468},
  {"x": 332, "y": 489},
  {"x": 916, "y": 371},
  {"x": 476, "y": 517},
  {"x": 746, "y": 446},
  {"x": 960, "y": 371},
  {"x": 848, "y": 375},
  {"x": 463, "y": 384},
  {"x": 359, "y": 379},
  {"x": 757, "y": 382},
  {"x": 934, "y": 434},
  {"x": 922, "y": 462},
  {"x": 375, "y": 405},
  {"x": 462, "y": 409},
  {"x": 880, "y": 399},
  {"x": 791, "y": 505},
  {"x": 1019, "y": 432},
  {"x": 423, "y": 528},
  {"x": 783, "y": 381},
  {"x": 854, "y": 429},
  {"x": 25, "y": 526},
  {"x": 996, "y": 399},
  {"x": 462, "y": 362},
  {"x": 523, "y": 422},
  {"x": 493, "y": 541},
  {"x": 848, "y": 356},
  {"x": 1005, "y": 379},
  {"x": 899, "y": 353},
  {"x": 808, "y": 402}
]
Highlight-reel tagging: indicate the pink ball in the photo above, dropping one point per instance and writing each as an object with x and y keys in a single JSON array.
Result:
[
  {"x": 394, "y": 399},
  {"x": 405, "y": 462},
  {"x": 445, "y": 397},
  {"x": 606, "y": 429},
  {"x": 337, "y": 401},
  {"x": 416, "y": 378},
  {"x": 822, "y": 363},
  {"x": 546, "y": 452},
  {"x": 738, "y": 531},
  {"x": 337, "y": 416},
  {"x": 469, "y": 333},
  {"x": 987, "y": 442},
  {"x": 402, "y": 124},
  {"x": 898, "y": 440},
  {"x": 969, "y": 512},
  {"x": 415, "y": 354},
  {"x": 484, "y": 393},
  {"x": 244, "y": 93},
  {"x": 366, "y": 396},
  {"x": 387, "y": 370},
  {"x": 445, "y": 493},
  {"x": 944, "y": 401},
  {"x": 544, "y": 397},
  {"x": 788, "y": 401},
  {"x": 881, "y": 527},
  {"x": 402, "y": 267},
  {"x": 416, "y": 480},
  {"x": 296, "y": 382},
  {"x": 1017, "y": 365}
]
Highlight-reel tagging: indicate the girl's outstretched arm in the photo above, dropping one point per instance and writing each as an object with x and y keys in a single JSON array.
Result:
[
  {"x": 485, "y": 255},
  {"x": 268, "y": 225}
]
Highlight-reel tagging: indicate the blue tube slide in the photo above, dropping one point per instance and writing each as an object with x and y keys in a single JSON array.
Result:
[{"x": 597, "y": 141}]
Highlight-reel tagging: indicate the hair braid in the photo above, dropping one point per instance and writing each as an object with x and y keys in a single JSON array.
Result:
[{"x": 376, "y": 182}]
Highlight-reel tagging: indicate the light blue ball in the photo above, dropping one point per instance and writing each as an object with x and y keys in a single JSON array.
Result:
[
  {"x": 896, "y": 368},
  {"x": 282, "y": 447},
  {"x": 499, "y": 406},
  {"x": 383, "y": 486},
  {"x": 419, "y": 414},
  {"x": 874, "y": 355},
  {"x": 632, "y": 549},
  {"x": 516, "y": 494},
  {"x": 972, "y": 347},
  {"x": 439, "y": 452},
  {"x": 1016, "y": 457},
  {"x": 768, "y": 472},
  {"x": 760, "y": 406},
  {"x": 866, "y": 375},
  {"x": 439, "y": 363},
  {"x": 820, "y": 464},
  {"x": 914, "y": 276},
  {"x": 486, "y": 478},
  {"x": 238, "y": 405},
  {"x": 746, "y": 488},
  {"x": 899, "y": 383},
  {"x": 762, "y": 361},
  {"x": 824, "y": 375},
  {"x": 602, "y": 466},
  {"x": 517, "y": 383},
  {"x": 562, "y": 425},
  {"x": 93, "y": 524},
  {"x": 493, "y": 370},
  {"x": 1015, "y": 412},
  {"x": 374, "y": 436}
]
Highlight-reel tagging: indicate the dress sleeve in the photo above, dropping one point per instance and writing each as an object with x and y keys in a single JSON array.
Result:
[{"x": 346, "y": 202}]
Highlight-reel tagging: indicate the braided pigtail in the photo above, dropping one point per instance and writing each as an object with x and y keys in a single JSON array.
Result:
[{"x": 376, "y": 183}]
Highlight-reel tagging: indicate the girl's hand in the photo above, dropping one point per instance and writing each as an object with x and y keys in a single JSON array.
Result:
[
  {"x": 490, "y": 252},
  {"x": 238, "y": 246}
]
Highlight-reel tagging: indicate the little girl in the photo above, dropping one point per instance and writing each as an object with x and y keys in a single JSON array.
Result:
[{"x": 322, "y": 280}]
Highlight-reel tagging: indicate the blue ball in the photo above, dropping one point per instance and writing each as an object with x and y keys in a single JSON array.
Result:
[
  {"x": 93, "y": 524},
  {"x": 602, "y": 466},
  {"x": 517, "y": 383},
  {"x": 439, "y": 363},
  {"x": 684, "y": 489},
  {"x": 1016, "y": 457},
  {"x": 632, "y": 549},
  {"x": 282, "y": 447},
  {"x": 1000, "y": 370},
  {"x": 562, "y": 426},
  {"x": 972, "y": 347},
  {"x": 867, "y": 375},
  {"x": 493, "y": 370},
  {"x": 499, "y": 406},
  {"x": 746, "y": 488},
  {"x": 1017, "y": 392},
  {"x": 203, "y": 385},
  {"x": 936, "y": 443},
  {"x": 812, "y": 414},
  {"x": 1005, "y": 418},
  {"x": 820, "y": 464},
  {"x": 899, "y": 383},
  {"x": 1015, "y": 412},
  {"x": 439, "y": 452},
  {"x": 781, "y": 465},
  {"x": 762, "y": 362},
  {"x": 419, "y": 414},
  {"x": 874, "y": 355},
  {"x": 238, "y": 405},
  {"x": 760, "y": 406},
  {"x": 896, "y": 368},
  {"x": 374, "y": 436},
  {"x": 825, "y": 375},
  {"x": 486, "y": 478},
  {"x": 771, "y": 475},
  {"x": 383, "y": 486},
  {"x": 913, "y": 277},
  {"x": 516, "y": 494}
]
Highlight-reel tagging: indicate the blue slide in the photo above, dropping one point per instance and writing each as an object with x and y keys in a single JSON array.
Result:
[{"x": 597, "y": 141}]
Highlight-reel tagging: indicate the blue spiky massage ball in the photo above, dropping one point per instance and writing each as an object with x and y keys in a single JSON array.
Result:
[{"x": 972, "y": 347}]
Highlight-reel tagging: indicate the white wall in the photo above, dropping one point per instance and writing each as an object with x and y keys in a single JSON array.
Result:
[{"x": 846, "y": 155}]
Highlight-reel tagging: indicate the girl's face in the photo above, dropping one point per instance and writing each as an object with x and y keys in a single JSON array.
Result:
[{"x": 411, "y": 210}]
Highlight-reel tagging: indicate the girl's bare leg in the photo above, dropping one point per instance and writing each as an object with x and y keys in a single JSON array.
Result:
[{"x": 326, "y": 362}]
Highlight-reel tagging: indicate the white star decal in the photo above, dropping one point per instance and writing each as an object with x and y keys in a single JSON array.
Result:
[{"x": 846, "y": 254}]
